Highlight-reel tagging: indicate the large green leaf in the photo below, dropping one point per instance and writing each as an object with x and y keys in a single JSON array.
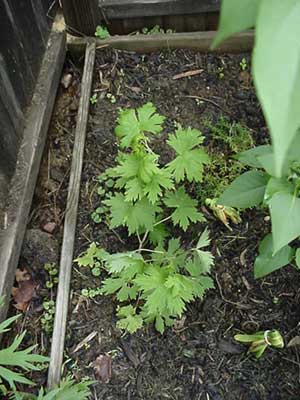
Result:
[
  {"x": 245, "y": 191},
  {"x": 236, "y": 16},
  {"x": 285, "y": 216},
  {"x": 277, "y": 71},
  {"x": 266, "y": 262},
  {"x": 250, "y": 157},
  {"x": 276, "y": 185}
]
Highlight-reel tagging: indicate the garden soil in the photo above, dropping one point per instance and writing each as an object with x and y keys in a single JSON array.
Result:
[{"x": 197, "y": 359}]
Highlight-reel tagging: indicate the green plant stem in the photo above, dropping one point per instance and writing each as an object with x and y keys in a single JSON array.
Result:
[{"x": 162, "y": 220}]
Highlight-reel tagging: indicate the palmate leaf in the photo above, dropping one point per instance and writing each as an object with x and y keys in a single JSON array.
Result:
[
  {"x": 122, "y": 282},
  {"x": 132, "y": 124},
  {"x": 164, "y": 293},
  {"x": 129, "y": 319},
  {"x": 141, "y": 176},
  {"x": 92, "y": 254},
  {"x": 23, "y": 359},
  {"x": 190, "y": 160},
  {"x": 158, "y": 235},
  {"x": 185, "y": 208},
  {"x": 117, "y": 262},
  {"x": 139, "y": 215},
  {"x": 154, "y": 189}
]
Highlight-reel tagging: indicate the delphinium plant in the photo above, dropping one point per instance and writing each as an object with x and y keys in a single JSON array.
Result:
[{"x": 157, "y": 280}]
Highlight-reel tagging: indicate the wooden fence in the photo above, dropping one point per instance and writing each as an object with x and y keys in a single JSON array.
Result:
[
  {"x": 126, "y": 16},
  {"x": 24, "y": 28}
]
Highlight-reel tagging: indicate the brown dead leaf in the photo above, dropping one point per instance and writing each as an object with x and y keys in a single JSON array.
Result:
[
  {"x": 179, "y": 324},
  {"x": 102, "y": 368},
  {"x": 23, "y": 294},
  {"x": 49, "y": 227},
  {"x": 188, "y": 73},
  {"x": 22, "y": 275}
]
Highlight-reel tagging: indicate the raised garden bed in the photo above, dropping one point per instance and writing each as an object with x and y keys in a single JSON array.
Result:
[{"x": 196, "y": 359}]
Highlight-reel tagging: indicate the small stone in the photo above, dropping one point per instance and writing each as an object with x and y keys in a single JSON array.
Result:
[{"x": 66, "y": 80}]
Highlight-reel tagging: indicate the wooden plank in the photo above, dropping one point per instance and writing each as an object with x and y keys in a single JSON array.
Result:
[
  {"x": 9, "y": 100},
  {"x": 143, "y": 8},
  {"x": 81, "y": 16},
  {"x": 66, "y": 260},
  {"x": 200, "y": 41},
  {"x": 14, "y": 58},
  {"x": 23, "y": 183},
  {"x": 9, "y": 142}
]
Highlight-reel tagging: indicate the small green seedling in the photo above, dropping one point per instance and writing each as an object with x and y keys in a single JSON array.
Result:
[
  {"x": 102, "y": 32},
  {"x": 111, "y": 98},
  {"x": 91, "y": 293},
  {"x": 155, "y": 30},
  {"x": 260, "y": 341},
  {"x": 48, "y": 315},
  {"x": 243, "y": 64},
  {"x": 94, "y": 99},
  {"x": 220, "y": 71},
  {"x": 52, "y": 271}
]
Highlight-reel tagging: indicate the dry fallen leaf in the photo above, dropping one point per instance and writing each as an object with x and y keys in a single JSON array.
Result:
[
  {"x": 23, "y": 294},
  {"x": 22, "y": 275},
  {"x": 49, "y": 227},
  {"x": 102, "y": 368}
]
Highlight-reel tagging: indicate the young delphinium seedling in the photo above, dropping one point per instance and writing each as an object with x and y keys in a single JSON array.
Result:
[
  {"x": 160, "y": 276},
  {"x": 243, "y": 64},
  {"x": 102, "y": 32},
  {"x": 94, "y": 98}
]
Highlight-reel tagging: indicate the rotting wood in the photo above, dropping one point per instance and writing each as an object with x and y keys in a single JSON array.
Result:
[
  {"x": 31, "y": 149},
  {"x": 114, "y": 9},
  {"x": 62, "y": 299},
  {"x": 81, "y": 16},
  {"x": 200, "y": 41}
]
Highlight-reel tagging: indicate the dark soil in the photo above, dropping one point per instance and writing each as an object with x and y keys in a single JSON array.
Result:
[{"x": 198, "y": 360}]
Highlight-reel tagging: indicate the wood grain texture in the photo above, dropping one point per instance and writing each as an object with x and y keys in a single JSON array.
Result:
[
  {"x": 143, "y": 8},
  {"x": 81, "y": 16},
  {"x": 31, "y": 148},
  {"x": 66, "y": 260},
  {"x": 200, "y": 41}
]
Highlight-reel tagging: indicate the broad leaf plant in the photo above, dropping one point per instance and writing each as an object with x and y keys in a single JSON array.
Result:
[{"x": 274, "y": 179}]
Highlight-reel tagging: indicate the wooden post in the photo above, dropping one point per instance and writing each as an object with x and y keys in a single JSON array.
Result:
[
  {"x": 29, "y": 157},
  {"x": 81, "y": 16},
  {"x": 66, "y": 260}
]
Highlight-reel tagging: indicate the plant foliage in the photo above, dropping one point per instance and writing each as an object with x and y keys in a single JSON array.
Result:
[
  {"x": 163, "y": 279},
  {"x": 160, "y": 284},
  {"x": 276, "y": 65},
  {"x": 12, "y": 357},
  {"x": 68, "y": 389}
]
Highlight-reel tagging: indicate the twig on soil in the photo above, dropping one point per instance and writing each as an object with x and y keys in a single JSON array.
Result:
[
  {"x": 207, "y": 101},
  {"x": 116, "y": 233},
  {"x": 239, "y": 305}
]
